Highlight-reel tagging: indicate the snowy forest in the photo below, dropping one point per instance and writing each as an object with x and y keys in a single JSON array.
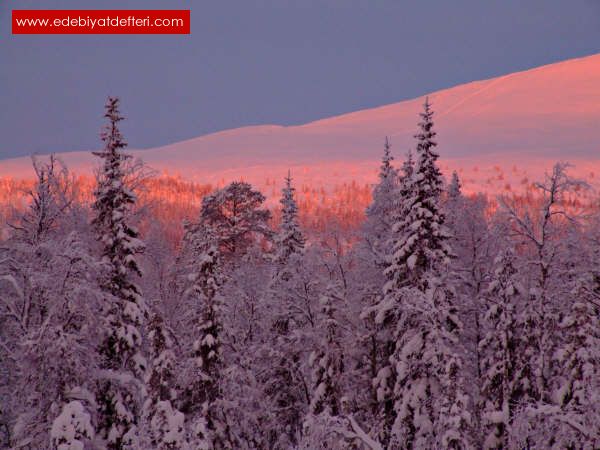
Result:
[{"x": 442, "y": 321}]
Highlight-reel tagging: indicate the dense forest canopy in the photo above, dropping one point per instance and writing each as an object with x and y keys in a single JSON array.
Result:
[{"x": 147, "y": 312}]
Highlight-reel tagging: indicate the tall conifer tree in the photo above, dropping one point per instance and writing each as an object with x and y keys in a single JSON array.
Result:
[
  {"x": 122, "y": 391},
  {"x": 424, "y": 361},
  {"x": 290, "y": 240}
]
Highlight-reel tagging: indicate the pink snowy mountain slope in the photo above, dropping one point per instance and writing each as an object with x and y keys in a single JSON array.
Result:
[{"x": 497, "y": 133}]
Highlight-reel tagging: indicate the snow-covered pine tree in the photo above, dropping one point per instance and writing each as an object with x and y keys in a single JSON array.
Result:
[
  {"x": 422, "y": 241},
  {"x": 164, "y": 424},
  {"x": 380, "y": 323},
  {"x": 237, "y": 218},
  {"x": 121, "y": 393},
  {"x": 380, "y": 212},
  {"x": 425, "y": 361},
  {"x": 499, "y": 362},
  {"x": 207, "y": 429},
  {"x": 289, "y": 240},
  {"x": 403, "y": 197}
]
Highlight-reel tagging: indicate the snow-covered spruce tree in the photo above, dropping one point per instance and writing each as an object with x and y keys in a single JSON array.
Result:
[
  {"x": 404, "y": 192},
  {"x": 455, "y": 186},
  {"x": 377, "y": 339},
  {"x": 72, "y": 428},
  {"x": 327, "y": 362},
  {"x": 164, "y": 424},
  {"x": 475, "y": 245},
  {"x": 384, "y": 313},
  {"x": 380, "y": 212},
  {"x": 291, "y": 302},
  {"x": 422, "y": 241},
  {"x": 425, "y": 362},
  {"x": 121, "y": 392},
  {"x": 289, "y": 240},
  {"x": 578, "y": 384},
  {"x": 327, "y": 365},
  {"x": 500, "y": 371},
  {"x": 385, "y": 211},
  {"x": 454, "y": 207},
  {"x": 243, "y": 277},
  {"x": 206, "y": 428},
  {"x": 336, "y": 363}
]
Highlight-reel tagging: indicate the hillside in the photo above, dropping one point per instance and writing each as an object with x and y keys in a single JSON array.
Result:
[{"x": 498, "y": 133}]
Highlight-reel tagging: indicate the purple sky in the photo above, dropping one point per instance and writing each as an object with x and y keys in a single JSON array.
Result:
[{"x": 272, "y": 61}]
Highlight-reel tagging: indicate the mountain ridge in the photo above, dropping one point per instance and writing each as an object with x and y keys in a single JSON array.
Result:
[{"x": 541, "y": 114}]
